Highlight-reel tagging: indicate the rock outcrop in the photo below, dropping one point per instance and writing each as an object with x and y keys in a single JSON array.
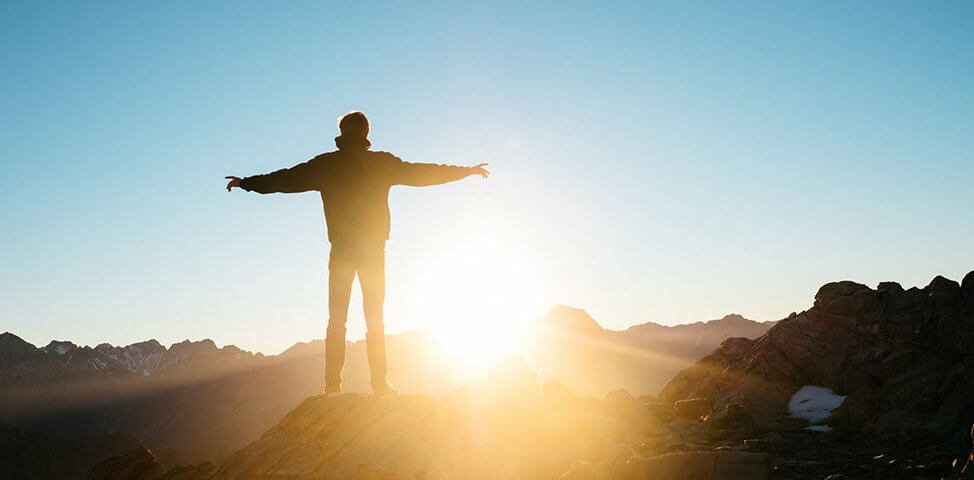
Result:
[
  {"x": 903, "y": 358},
  {"x": 141, "y": 464},
  {"x": 136, "y": 464},
  {"x": 502, "y": 426}
]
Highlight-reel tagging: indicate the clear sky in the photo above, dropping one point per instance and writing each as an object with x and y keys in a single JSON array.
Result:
[{"x": 652, "y": 162}]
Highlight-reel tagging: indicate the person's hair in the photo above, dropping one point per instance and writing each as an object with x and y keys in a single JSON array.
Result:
[{"x": 354, "y": 123}]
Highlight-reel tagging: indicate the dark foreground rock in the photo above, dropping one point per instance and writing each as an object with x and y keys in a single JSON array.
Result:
[
  {"x": 141, "y": 464},
  {"x": 136, "y": 464},
  {"x": 26, "y": 454},
  {"x": 903, "y": 358}
]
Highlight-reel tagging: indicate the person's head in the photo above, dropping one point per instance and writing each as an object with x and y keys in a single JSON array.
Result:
[{"x": 354, "y": 124}]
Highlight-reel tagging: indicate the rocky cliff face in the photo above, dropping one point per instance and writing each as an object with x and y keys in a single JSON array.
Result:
[{"x": 903, "y": 359}]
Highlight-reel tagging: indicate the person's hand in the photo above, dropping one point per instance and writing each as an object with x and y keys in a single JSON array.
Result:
[
  {"x": 234, "y": 182},
  {"x": 479, "y": 170}
]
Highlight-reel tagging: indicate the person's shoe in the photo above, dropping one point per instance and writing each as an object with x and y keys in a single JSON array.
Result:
[
  {"x": 384, "y": 390},
  {"x": 333, "y": 392}
]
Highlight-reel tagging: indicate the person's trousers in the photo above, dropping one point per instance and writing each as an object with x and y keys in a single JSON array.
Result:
[{"x": 367, "y": 259}]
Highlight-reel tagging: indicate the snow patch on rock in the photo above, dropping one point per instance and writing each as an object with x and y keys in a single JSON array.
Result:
[{"x": 814, "y": 403}]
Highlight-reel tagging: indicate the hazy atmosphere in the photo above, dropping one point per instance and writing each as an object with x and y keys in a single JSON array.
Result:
[{"x": 671, "y": 164}]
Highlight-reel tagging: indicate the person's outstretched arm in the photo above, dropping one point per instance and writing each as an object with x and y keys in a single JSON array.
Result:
[
  {"x": 423, "y": 174},
  {"x": 302, "y": 177}
]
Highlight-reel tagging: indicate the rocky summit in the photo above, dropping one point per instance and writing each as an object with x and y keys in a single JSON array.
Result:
[{"x": 503, "y": 426}]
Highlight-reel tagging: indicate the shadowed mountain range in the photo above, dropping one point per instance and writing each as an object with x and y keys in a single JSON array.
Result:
[
  {"x": 194, "y": 401},
  {"x": 569, "y": 346}
]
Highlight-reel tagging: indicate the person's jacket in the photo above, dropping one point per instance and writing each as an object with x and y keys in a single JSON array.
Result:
[{"x": 354, "y": 184}]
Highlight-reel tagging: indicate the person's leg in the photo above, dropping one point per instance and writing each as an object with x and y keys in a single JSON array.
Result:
[
  {"x": 372, "y": 278},
  {"x": 341, "y": 272}
]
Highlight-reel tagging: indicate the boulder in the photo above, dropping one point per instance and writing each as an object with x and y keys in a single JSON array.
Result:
[
  {"x": 892, "y": 287},
  {"x": 967, "y": 285},
  {"x": 844, "y": 298},
  {"x": 943, "y": 285}
]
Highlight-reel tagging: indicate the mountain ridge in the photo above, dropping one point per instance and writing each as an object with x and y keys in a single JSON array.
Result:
[
  {"x": 570, "y": 347},
  {"x": 724, "y": 417},
  {"x": 153, "y": 343},
  {"x": 162, "y": 395}
]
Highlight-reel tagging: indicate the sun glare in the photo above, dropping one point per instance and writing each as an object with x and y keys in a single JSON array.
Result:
[{"x": 483, "y": 303}]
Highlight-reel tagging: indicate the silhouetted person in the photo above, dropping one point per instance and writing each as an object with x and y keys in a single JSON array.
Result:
[{"x": 354, "y": 183}]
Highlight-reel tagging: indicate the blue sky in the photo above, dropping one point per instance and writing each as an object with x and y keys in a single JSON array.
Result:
[{"x": 652, "y": 162}]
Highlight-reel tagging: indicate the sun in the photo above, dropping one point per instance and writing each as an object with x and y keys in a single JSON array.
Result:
[
  {"x": 473, "y": 349},
  {"x": 483, "y": 301}
]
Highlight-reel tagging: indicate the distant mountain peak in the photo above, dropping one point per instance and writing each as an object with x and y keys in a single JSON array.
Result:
[
  {"x": 729, "y": 320},
  {"x": 7, "y": 338},
  {"x": 189, "y": 347},
  {"x": 569, "y": 319},
  {"x": 151, "y": 343},
  {"x": 148, "y": 347},
  {"x": 732, "y": 319},
  {"x": 12, "y": 346}
]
